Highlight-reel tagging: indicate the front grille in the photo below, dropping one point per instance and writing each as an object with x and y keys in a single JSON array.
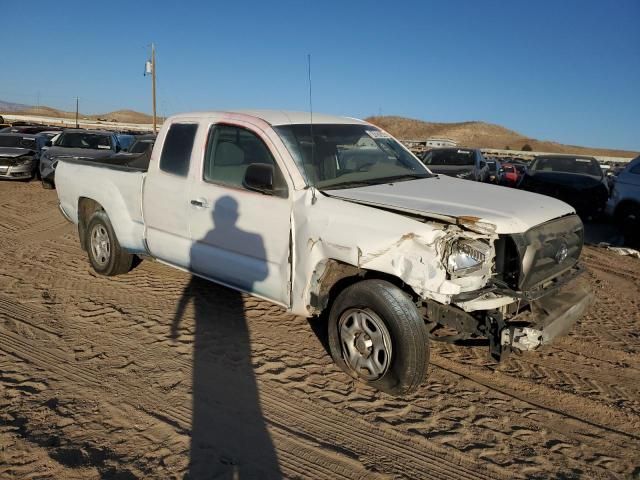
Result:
[
  {"x": 541, "y": 253},
  {"x": 6, "y": 162}
]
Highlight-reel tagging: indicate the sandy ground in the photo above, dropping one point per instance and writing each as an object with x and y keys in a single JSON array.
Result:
[{"x": 153, "y": 375}]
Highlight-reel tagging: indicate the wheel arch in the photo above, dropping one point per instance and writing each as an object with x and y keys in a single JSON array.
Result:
[
  {"x": 336, "y": 275},
  {"x": 86, "y": 207}
]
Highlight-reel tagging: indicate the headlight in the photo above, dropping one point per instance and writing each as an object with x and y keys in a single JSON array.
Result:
[
  {"x": 25, "y": 161},
  {"x": 466, "y": 256}
]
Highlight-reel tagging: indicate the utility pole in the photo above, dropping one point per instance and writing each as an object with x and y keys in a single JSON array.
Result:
[
  {"x": 77, "y": 101},
  {"x": 153, "y": 85}
]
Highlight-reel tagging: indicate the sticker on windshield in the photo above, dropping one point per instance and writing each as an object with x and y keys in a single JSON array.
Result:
[
  {"x": 104, "y": 147},
  {"x": 467, "y": 152},
  {"x": 378, "y": 134}
]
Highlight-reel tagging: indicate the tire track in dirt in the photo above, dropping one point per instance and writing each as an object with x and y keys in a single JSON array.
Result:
[
  {"x": 100, "y": 308},
  {"x": 117, "y": 331},
  {"x": 300, "y": 417}
]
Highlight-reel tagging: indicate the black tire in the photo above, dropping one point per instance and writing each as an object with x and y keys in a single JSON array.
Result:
[
  {"x": 409, "y": 357},
  {"x": 47, "y": 185},
  {"x": 107, "y": 259}
]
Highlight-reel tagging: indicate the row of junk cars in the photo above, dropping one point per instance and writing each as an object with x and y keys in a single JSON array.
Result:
[
  {"x": 30, "y": 152},
  {"x": 596, "y": 192}
]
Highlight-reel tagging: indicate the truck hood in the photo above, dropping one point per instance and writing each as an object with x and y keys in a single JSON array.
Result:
[
  {"x": 449, "y": 199},
  {"x": 13, "y": 152}
]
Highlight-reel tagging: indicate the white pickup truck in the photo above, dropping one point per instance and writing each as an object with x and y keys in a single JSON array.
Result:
[{"x": 337, "y": 217}]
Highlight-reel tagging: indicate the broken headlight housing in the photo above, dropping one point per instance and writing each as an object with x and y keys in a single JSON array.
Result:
[{"x": 466, "y": 256}]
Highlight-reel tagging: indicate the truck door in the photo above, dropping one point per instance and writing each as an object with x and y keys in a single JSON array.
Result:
[
  {"x": 165, "y": 197},
  {"x": 240, "y": 237}
]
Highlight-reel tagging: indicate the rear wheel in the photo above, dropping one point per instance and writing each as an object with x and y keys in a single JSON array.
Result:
[
  {"x": 105, "y": 253},
  {"x": 377, "y": 336}
]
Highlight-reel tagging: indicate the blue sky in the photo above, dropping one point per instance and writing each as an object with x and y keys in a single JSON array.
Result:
[{"x": 564, "y": 70}]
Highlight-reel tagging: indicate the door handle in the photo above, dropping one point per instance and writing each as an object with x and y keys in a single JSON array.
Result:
[{"x": 201, "y": 203}]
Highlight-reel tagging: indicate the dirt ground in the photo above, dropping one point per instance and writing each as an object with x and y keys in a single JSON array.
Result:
[{"x": 155, "y": 375}]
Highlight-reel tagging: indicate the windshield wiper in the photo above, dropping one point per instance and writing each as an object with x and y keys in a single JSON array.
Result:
[
  {"x": 406, "y": 176},
  {"x": 377, "y": 181}
]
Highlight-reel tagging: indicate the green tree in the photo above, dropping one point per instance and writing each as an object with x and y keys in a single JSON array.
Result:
[{"x": 527, "y": 148}]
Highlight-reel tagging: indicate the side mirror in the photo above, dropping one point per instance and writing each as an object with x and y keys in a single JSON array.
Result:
[
  {"x": 48, "y": 143},
  {"x": 118, "y": 148},
  {"x": 259, "y": 178}
]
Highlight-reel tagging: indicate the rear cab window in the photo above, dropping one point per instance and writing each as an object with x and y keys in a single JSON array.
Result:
[{"x": 176, "y": 151}]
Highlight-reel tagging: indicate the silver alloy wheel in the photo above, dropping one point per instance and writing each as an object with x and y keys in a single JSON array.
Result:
[
  {"x": 366, "y": 343},
  {"x": 100, "y": 245}
]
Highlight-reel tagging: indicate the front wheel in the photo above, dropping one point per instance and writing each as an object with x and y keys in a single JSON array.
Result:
[
  {"x": 377, "y": 336},
  {"x": 105, "y": 253}
]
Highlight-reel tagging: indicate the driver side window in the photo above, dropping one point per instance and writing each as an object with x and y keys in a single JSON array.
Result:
[{"x": 230, "y": 150}]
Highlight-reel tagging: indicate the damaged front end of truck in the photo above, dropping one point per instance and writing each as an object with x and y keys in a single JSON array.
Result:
[
  {"x": 519, "y": 291},
  {"x": 533, "y": 295}
]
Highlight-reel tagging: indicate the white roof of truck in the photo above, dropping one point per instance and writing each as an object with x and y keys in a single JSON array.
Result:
[{"x": 279, "y": 117}]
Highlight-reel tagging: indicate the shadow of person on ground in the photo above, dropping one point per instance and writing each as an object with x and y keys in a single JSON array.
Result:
[{"x": 229, "y": 438}]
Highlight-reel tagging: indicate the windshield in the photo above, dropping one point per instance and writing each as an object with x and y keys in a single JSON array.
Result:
[
  {"x": 84, "y": 140},
  {"x": 585, "y": 166},
  {"x": 492, "y": 166},
  {"x": 17, "y": 141},
  {"x": 346, "y": 155},
  {"x": 456, "y": 158}
]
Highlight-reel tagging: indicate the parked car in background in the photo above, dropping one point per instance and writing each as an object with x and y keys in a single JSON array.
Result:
[
  {"x": 78, "y": 144},
  {"x": 137, "y": 156},
  {"x": 495, "y": 171},
  {"x": 465, "y": 163},
  {"x": 125, "y": 140},
  {"x": 612, "y": 174},
  {"x": 42, "y": 139},
  {"x": 142, "y": 143},
  {"x": 340, "y": 218},
  {"x": 510, "y": 175},
  {"x": 624, "y": 204},
  {"x": 30, "y": 129},
  {"x": 577, "y": 180},
  {"x": 18, "y": 154}
]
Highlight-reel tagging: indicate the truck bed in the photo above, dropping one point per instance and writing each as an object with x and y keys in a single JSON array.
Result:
[{"x": 117, "y": 188}]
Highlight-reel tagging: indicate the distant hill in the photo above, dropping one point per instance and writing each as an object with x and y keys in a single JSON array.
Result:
[
  {"x": 9, "y": 107},
  {"x": 123, "y": 116},
  {"x": 470, "y": 134},
  {"x": 481, "y": 135}
]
